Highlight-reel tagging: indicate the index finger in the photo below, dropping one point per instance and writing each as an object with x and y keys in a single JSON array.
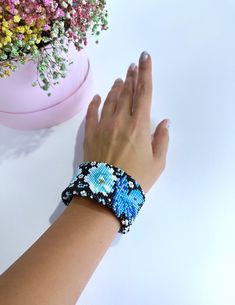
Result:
[{"x": 143, "y": 94}]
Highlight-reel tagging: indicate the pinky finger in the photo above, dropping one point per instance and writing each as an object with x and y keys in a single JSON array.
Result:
[{"x": 92, "y": 116}]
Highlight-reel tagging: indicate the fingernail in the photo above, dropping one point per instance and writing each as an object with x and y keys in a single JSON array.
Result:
[
  {"x": 144, "y": 56},
  {"x": 167, "y": 123},
  {"x": 118, "y": 80},
  {"x": 132, "y": 66},
  {"x": 96, "y": 98}
]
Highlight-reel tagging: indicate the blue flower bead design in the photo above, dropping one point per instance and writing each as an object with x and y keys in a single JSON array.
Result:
[
  {"x": 109, "y": 186},
  {"x": 101, "y": 180},
  {"x": 128, "y": 204}
]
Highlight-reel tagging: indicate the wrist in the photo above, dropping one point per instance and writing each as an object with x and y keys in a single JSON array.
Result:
[
  {"x": 111, "y": 187},
  {"x": 95, "y": 211}
]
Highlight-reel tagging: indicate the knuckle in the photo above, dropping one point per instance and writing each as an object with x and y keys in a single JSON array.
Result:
[
  {"x": 126, "y": 91},
  {"x": 161, "y": 165},
  {"x": 141, "y": 87},
  {"x": 110, "y": 134},
  {"x": 135, "y": 127},
  {"x": 110, "y": 94},
  {"x": 90, "y": 108},
  {"x": 115, "y": 124},
  {"x": 140, "y": 125}
]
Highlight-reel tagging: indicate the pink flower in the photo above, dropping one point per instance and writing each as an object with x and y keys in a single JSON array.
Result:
[
  {"x": 46, "y": 27},
  {"x": 47, "y": 2},
  {"x": 30, "y": 19},
  {"x": 59, "y": 13},
  {"x": 20, "y": 36}
]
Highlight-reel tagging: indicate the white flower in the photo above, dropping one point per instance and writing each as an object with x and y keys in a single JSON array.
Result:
[
  {"x": 83, "y": 193},
  {"x": 80, "y": 176},
  {"x": 93, "y": 163},
  {"x": 100, "y": 179},
  {"x": 64, "y": 4}
]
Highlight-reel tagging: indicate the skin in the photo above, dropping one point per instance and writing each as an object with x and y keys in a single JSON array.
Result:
[{"x": 57, "y": 267}]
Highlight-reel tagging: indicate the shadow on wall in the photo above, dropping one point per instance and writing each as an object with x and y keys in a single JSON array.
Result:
[
  {"x": 16, "y": 143},
  {"x": 78, "y": 159}
]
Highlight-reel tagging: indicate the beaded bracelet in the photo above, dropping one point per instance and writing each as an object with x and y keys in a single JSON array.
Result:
[{"x": 110, "y": 186}]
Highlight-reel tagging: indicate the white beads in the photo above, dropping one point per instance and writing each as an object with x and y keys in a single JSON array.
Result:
[
  {"x": 131, "y": 184},
  {"x": 125, "y": 222}
]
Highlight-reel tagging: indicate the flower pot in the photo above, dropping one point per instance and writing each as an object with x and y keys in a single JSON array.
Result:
[{"x": 23, "y": 106}]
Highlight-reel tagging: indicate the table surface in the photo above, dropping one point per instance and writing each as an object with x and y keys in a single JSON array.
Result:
[{"x": 181, "y": 249}]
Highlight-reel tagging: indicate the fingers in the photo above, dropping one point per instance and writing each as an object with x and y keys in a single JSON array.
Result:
[
  {"x": 160, "y": 142},
  {"x": 92, "y": 116},
  {"x": 112, "y": 99},
  {"x": 132, "y": 97},
  {"x": 143, "y": 95},
  {"x": 125, "y": 101},
  {"x": 135, "y": 79}
]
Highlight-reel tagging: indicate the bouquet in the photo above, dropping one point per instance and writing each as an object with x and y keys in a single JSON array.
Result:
[{"x": 41, "y": 31}]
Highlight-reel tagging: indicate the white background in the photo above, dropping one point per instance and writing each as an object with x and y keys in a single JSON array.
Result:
[{"x": 181, "y": 250}]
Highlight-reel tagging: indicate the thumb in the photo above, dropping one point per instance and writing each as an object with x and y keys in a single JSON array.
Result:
[{"x": 160, "y": 140}]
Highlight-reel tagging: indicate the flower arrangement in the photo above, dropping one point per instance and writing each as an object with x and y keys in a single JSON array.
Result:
[{"x": 41, "y": 30}]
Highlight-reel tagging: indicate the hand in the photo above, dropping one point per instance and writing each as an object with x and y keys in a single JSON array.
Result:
[{"x": 122, "y": 137}]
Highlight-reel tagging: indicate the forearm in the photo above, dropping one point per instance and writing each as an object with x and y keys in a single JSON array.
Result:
[{"x": 57, "y": 267}]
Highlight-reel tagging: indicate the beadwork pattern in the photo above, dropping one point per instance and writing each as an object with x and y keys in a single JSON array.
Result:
[{"x": 110, "y": 186}]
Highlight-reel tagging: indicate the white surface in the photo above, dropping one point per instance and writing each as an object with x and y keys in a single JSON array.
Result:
[{"x": 181, "y": 249}]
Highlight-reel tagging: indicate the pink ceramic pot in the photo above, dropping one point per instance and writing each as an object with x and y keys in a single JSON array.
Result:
[{"x": 25, "y": 107}]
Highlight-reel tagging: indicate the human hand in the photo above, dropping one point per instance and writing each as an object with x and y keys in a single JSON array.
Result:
[{"x": 122, "y": 136}]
